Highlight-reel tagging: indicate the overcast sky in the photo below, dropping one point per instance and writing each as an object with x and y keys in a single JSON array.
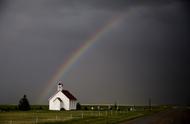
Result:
[{"x": 144, "y": 56}]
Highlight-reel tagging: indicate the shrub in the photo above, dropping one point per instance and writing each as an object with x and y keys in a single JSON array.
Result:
[{"x": 78, "y": 107}]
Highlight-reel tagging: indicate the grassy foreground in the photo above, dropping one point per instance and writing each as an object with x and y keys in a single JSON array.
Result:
[{"x": 72, "y": 117}]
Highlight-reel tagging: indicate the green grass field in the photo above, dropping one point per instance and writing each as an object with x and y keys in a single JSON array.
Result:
[{"x": 72, "y": 117}]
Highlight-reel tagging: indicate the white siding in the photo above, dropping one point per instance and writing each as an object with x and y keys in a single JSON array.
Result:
[
  {"x": 55, "y": 104},
  {"x": 73, "y": 104}
]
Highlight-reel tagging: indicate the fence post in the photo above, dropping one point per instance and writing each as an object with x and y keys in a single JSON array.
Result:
[
  {"x": 56, "y": 118},
  {"x": 36, "y": 120},
  {"x": 71, "y": 116},
  {"x": 82, "y": 115}
]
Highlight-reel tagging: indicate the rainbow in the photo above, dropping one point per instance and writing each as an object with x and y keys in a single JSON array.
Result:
[{"x": 64, "y": 68}]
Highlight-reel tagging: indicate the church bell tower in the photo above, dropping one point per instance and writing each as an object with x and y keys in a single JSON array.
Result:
[{"x": 59, "y": 87}]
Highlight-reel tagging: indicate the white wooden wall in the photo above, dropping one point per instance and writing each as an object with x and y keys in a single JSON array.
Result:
[{"x": 54, "y": 104}]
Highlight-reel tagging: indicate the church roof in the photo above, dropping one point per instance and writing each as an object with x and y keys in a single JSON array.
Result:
[{"x": 68, "y": 94}]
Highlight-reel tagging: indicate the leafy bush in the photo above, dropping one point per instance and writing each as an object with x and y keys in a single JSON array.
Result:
[{"x": 78, "y": 106}]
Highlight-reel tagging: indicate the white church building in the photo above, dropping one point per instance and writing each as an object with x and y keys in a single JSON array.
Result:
[{"x": 62, "y": 99}]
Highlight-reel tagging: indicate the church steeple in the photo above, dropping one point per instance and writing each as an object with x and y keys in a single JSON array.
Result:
[{"x": 59, "y": 87}]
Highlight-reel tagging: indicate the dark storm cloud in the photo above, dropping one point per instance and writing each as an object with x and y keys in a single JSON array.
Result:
[
  {"x": 145, "y": 55},
  {"x": 117, "y": 5},
  {"x": 154, "y": 42},
  {"x": 2, "y": 5}
]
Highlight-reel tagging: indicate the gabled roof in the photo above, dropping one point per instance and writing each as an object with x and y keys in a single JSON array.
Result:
[
  {"x": 68, "y": 95},
  {"x": 53, "y": 95}
]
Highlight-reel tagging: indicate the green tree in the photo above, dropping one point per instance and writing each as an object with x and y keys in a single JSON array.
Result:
[{"x": 24, "y": 104}]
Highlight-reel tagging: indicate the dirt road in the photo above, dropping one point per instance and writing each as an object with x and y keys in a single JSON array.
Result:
[{"x": 173, "y": 116}]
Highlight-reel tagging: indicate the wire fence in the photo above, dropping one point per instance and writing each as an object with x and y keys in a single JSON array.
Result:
[{"x": 36, "y": 118}]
